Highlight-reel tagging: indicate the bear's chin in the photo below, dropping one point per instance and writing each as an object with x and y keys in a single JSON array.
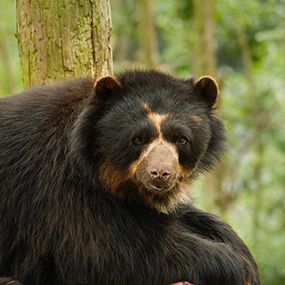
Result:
[{"x": 166, "y": 200}]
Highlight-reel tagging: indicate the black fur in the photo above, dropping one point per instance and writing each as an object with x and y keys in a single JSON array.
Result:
[{"x": 58, "y": 222}]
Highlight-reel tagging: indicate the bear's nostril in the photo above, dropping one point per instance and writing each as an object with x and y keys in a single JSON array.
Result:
[
  {"x": 165, "y": 175},
  {"x": 154, "y": 174},
  {"x": 159, "y": 175}
]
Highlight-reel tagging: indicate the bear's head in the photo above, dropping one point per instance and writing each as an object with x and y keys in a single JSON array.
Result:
[{"x": 149, "y": 134}]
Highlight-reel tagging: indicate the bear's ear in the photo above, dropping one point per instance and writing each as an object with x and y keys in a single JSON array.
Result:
[
  {"x": 206, "y": 88},
  {"x": 106, "y": 87}
]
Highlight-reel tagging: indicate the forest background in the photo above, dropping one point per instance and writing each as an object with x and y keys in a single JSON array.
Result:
[{"x": 242, "y": 44}]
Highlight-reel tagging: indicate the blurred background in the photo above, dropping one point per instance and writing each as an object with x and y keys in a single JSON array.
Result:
[{"x": 242, "y": 44}]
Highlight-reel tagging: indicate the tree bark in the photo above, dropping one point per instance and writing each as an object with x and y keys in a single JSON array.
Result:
[{"x": 64, "y": 38}]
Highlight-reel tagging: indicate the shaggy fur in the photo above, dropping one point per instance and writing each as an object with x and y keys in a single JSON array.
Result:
[{"x": 74, "y": 211}]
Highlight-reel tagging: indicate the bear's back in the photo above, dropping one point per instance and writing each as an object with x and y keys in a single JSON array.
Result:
[
  {"x": 39, "y": 112},
  {"x": 43, "y": 100}
]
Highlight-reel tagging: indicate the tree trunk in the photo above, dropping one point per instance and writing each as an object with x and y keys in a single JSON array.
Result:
[
  {"x": 64, "y": 38},
  {"x": 204, "y": 62},
  {"x": 204, "y": 53},
  {"x": 9, "y": 79},
  {"x": 147, "y": 34}
]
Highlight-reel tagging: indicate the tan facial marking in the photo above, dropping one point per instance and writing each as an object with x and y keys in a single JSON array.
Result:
[
  {"x": 156, "y": 118},
  {"x": 165, "y": 203},
  {"x": 159, "y": 141},
  {"x": 198, "y": 120},
  {"x": 184, "y": 172},
  {"x": 110, "y": 176},
  {"x": 146, "y": 107},
  {"x": 113, "y": 179}
]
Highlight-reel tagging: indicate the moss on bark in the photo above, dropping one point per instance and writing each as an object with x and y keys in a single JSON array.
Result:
[{"x": 63, "y": 38}]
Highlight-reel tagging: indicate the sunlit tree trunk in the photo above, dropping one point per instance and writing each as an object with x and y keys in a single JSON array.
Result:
[
  {"x": 204, "y": 52},
  {"x": 121, "y": 41},
  {"x": 64, "y": 38},
  {"x": 4, "y": 51},
  {"x": 147, "y": 34},
  {"x": 204, "y": 62}
]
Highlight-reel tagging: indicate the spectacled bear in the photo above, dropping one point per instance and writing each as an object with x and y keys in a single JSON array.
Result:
[{"x": 93, "y": 180}]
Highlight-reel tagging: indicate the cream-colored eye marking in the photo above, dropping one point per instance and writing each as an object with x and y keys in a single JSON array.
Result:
[{"x": 198, "y": 120}]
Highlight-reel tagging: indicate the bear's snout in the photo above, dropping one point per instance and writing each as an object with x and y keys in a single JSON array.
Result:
[{"x": 161, "y": 168}]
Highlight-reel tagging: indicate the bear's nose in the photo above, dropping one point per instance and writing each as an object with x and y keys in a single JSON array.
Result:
[{"x": 159, "y": 174}]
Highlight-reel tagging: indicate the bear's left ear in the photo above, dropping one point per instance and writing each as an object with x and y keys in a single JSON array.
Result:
[
  {"x": 106, "y": 87},
  {"x": 206, "y": 88}
]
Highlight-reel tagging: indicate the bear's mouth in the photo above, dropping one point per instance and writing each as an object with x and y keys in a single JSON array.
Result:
[{"x": 159, "y": 188}]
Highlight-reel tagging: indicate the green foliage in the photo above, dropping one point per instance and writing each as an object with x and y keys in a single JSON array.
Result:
[{"x": 10, "y": 74}]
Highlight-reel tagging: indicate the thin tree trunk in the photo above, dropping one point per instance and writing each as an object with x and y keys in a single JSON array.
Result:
[
  {"x": 258, "y": 193},
  {"x": 204, "y": 62},
  {"x": 204, "y": 53},
  {"x": 147, "y": 34},
  {"x": 4, "y": 52},
  {"x": 64, "y": 38},
  {"x": 121, "y": 43},
  {"x": 255, "y": 109}
]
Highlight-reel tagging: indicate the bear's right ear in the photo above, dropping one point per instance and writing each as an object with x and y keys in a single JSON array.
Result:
[{"x": 106, "y": 87}]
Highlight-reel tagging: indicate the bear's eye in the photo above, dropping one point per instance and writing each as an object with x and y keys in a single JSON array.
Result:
[
  {"x": 181, "y": 140},
  {"x": 138, "y": 140}
]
